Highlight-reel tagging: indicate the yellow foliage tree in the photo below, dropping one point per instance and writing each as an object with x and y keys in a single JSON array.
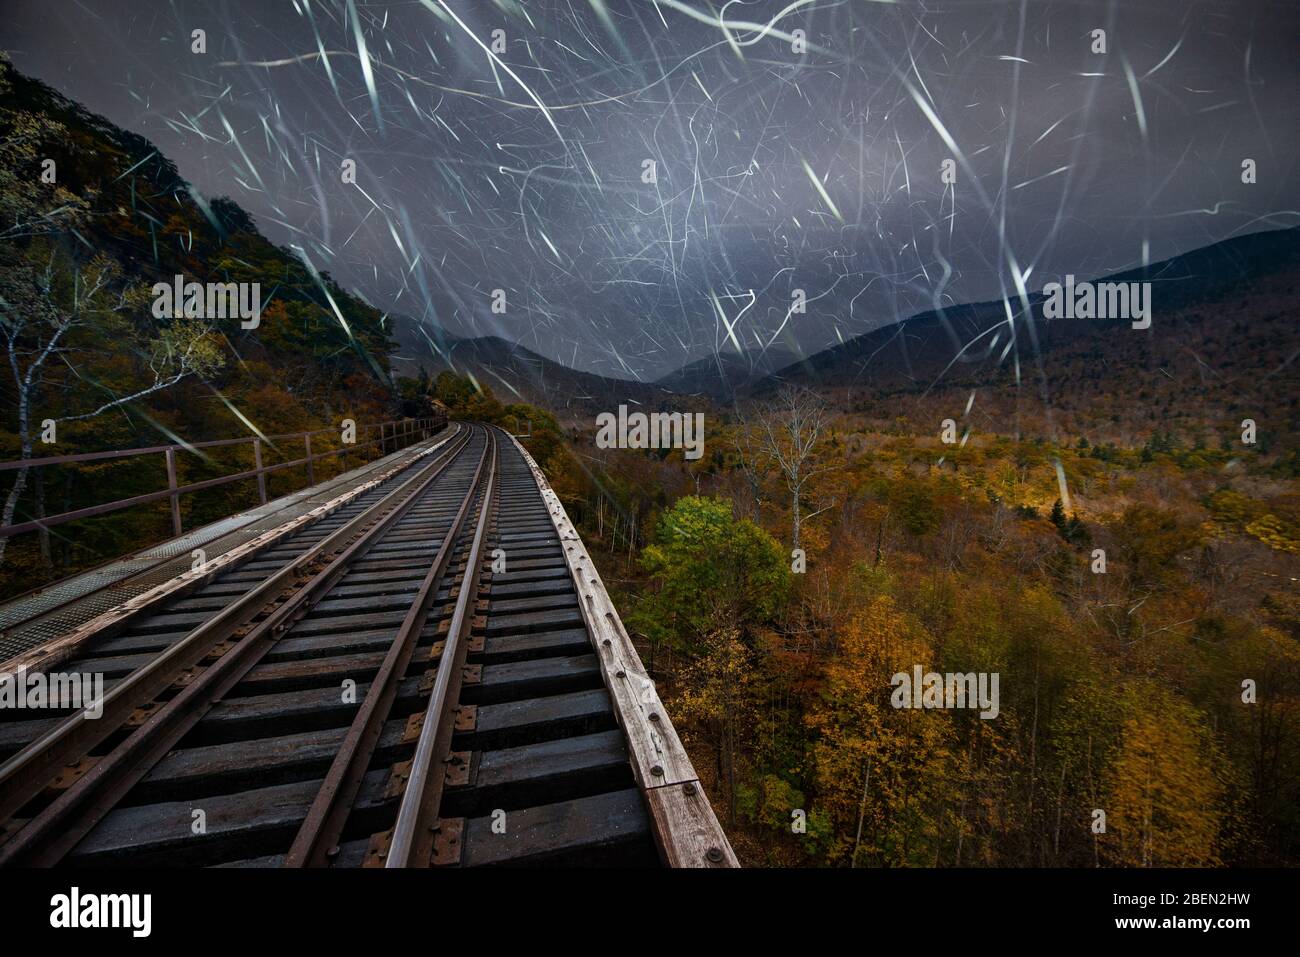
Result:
[
  {"x": 881, "y": 773},
  {"x": 1164, "y": 802}
]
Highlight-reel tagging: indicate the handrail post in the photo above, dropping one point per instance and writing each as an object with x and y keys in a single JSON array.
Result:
[
  {"x": 175, "y": 498},
  {"x": 392, "y": 435},
  {"x": 261, "y": 475}
]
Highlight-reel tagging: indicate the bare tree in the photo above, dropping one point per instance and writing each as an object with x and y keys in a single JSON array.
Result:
[
  {"x": 749, "y": 448},
  {"x": 43, "y": 303},
  {"x": 787, "y": 429}
]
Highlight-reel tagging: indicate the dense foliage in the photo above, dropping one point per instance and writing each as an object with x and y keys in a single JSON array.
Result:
[{"x": 1121, "y": 690}]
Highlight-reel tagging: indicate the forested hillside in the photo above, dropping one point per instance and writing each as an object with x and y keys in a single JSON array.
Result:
[
  {"x": 1102, "y": 528},
  {"x": 1122, "y": 682},
  {"x": 82, "y": 241},
  {"x": 1221, "y": 347}
]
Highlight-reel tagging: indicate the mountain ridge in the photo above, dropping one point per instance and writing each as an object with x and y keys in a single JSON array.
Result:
[
  {"x": 1207, "y": 274},
  {"x": 1204, "y": 274}
]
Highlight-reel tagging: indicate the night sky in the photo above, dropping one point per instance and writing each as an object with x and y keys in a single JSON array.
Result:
[{"x": 776, "y": 170}]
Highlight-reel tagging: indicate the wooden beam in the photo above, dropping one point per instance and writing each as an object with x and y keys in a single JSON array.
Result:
[
  {"x": 683, "y": 812},
  {"x": 687, "y": 828}
]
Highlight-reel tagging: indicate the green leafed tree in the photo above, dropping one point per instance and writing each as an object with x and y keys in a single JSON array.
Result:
[{"x": 711, "y": 568}]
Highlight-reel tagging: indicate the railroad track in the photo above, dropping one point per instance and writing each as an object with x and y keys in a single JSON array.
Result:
[{"x": 430, "y": 676}]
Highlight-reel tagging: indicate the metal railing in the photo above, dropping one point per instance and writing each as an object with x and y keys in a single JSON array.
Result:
[{"x": 389, "y": 437}]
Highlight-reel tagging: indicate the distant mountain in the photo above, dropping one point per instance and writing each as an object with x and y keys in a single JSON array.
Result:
[
  {"x": 1220, "y": 329},
  {"x": 419, "y": 342},
  {"x": 727, "y": 372},
  {"x": 1223, "y": 329},
  {"x": 517, "y": 374}
]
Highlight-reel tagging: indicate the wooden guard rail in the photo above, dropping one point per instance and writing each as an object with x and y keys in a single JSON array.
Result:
[
  {"x": 389, "y": 437},
  {"x": 685, "y": 828}
]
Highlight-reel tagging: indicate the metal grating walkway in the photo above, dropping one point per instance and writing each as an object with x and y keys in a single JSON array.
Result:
[{"x": 32, "y": 620}]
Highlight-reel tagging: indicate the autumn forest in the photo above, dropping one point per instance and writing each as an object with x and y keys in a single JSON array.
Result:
[{"x": 1101, "y": 529}]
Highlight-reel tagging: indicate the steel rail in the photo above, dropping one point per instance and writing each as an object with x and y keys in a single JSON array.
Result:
[
  {"x": 48, "y": 837},
  {"x": 413, "y": 832},
  {"x": 317, "y": 838},
  {"x": 26, "y": 773},
  {"x": 331, "y": 484}
]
